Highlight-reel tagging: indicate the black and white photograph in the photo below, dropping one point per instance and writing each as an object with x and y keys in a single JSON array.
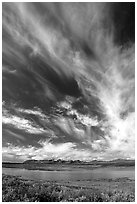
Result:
[{"x": 68, "y": 101}]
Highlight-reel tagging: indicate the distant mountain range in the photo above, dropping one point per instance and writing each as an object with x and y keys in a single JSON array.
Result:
[
  {"x": 61, "y": 164},
  {"x": 118, "y": 162}
]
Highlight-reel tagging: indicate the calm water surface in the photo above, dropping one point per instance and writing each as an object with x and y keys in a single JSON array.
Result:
[{"x": 81, "y": 174}]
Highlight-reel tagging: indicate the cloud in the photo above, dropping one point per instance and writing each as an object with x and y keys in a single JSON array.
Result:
[
  {"x": 83, "y": 119},
  {"x": 70, "y": 49},
  {"x": 96, "y": 147},
  {"x": 21, "y": 123},
  {"x": 70, "y": 127},
  {"x": 36, "y": 112},
  {"x": 48, "y": 150},
  {"x": 64, "y": 151},
  {"x": 15, "y": 135}
]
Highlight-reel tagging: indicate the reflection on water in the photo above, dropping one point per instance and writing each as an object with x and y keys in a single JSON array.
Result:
[{"x": 72, "y": 175}]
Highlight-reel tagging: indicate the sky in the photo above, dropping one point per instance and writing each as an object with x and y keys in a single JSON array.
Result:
[{"x": 68, "y": 81}]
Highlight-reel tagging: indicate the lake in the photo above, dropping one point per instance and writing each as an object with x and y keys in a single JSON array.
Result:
[{"x": 82, "y": 174}]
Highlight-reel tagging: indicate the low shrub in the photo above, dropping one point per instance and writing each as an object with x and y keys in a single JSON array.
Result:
[{"x": 16, "y": 189}]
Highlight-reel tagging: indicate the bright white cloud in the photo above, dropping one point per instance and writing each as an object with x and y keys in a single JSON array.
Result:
[
  {"x": 47, "y": 150},
  {"x": 21, "y": 123},
  {"x": 84, "y": 119},
  {"x": 64, "y": 151},
  {"x": 36, "y": 112}
]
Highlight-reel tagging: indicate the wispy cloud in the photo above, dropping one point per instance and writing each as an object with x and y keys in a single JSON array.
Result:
[
  {"x": 64, "y": 151},
  {"x": 46, "y": 46},
  {"x": 84, "y": 119},
  {"x": 48, "y": 150},
  {"x": 15, "y": 135},
  {"x": 21, "y": 123}
]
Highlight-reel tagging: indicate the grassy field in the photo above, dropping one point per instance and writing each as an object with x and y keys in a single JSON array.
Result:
[{"x": 16, "y": 189}]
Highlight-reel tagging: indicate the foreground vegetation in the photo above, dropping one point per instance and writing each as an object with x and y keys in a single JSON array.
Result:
[{"x": 15, "y": 189}]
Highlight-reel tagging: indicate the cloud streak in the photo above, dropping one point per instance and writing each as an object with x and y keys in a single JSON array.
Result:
[
  {"x": 70, "y": 78},
  {"x": 21, "y": 123}
]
